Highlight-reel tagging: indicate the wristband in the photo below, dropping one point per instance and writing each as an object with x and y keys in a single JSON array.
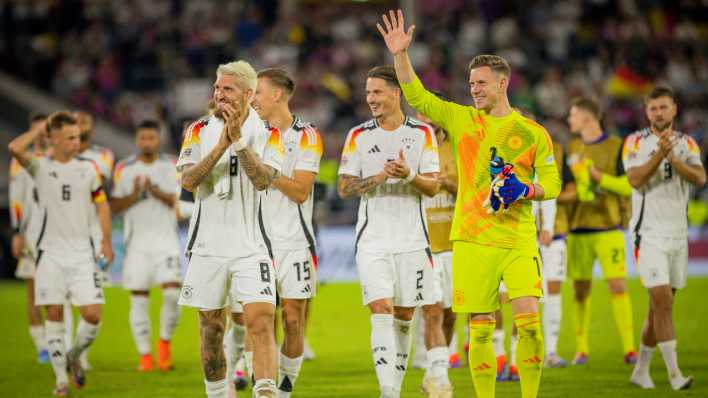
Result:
[
  {"x": 410, "y": 177},
  {"x": 531, "y": 191},
  {"x": 240, "y": 145}
]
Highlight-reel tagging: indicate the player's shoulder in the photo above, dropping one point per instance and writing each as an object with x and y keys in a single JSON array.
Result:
[
  {"x": 530, "y": 124},
  {"x": 416, "y": 124},
  {"x": 308, "y": 133},
  {"x": 369, "y": 125},
  {"x": 102, "y": 150},
  {"x": 196, "y": 127},
  {"x": 85, "y": 163}
]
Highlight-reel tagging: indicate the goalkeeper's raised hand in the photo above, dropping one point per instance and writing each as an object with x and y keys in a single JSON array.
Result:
[{"x": 396, "y": 37}]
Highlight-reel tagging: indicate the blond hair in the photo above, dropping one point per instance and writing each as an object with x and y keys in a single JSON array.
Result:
[{"x": 243, "y": 71}]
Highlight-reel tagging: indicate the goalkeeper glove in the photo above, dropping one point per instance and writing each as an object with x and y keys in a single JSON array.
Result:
[{"x": 511, "y": 189}]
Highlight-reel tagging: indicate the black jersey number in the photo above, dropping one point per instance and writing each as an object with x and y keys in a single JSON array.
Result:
[
  {"x": 419, "y": 279},
  {"x": 66, "y": 192},
  {"x": 668, "y": 171},
  {"x": 303, "y": 271},
  {"x": 233, "y": 166}
]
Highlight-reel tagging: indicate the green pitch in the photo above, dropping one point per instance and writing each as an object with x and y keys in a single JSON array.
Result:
[{"x": 339, "y": 333}]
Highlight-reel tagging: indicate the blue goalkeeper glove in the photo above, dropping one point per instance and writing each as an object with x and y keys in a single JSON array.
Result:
[
  {"x": 511, "y": 189},
  {"x": 496, "y": 166}
]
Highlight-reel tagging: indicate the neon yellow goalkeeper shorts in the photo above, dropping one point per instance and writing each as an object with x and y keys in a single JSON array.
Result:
[
  {"x": 605, "y": 246},
  {"x": 477, "y": 271}
]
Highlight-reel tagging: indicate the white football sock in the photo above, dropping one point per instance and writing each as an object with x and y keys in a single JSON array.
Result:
[
  {"x": 68, "y": 326},
  {"x": 248, "y": 356},
  {"x": 216, "y": 389},
  {"x": 140, "y": 323},
  {"x": 264, "y": 388},
  {"x": 551, "y": 321},
  {"x": 233, "y": 344},
  {"x": 644, "y": 360},
  {"x": 402, "y": 331},
  {"x": 514, "y": 341},
  {"x": 383, "y": 350},
  {"x": 57, "y": 350},
  {"x": 438, "y": 362},
  {"x": 289, "y": 370},
  {"x": 169, "y": 314},
  {"x": 640, "y": 373},
  {"x": 498, "y": 342},
  {"x": 668, "y": 351},
  {"x": 38, "y": 338},
  {"x": 85, "y": 335}
]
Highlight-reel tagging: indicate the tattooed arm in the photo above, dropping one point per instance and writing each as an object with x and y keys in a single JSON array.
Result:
[
  {"x": 351, "y": 186},
  {"x": 260, "y": 174},
  {"x": 193, "y": 175},
  {"x": 211, "y": 331}
]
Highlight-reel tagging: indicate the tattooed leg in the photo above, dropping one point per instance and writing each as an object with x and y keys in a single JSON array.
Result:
[{"x": 211, "y": 331}]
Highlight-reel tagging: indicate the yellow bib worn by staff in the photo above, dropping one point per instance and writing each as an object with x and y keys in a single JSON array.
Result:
[{"x": 596, "y": 222}]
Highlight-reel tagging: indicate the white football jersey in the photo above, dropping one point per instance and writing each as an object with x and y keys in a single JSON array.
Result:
[
  {"x": 391, "y": 218},
  {"x": 659, "y": 208},
  {"x": 25, "y": 215},
  {"x": 66, "y": 192},
  {"x": 150, "y": 225},
  {"x": 103, "y": 158},
  {"x": 291, "y": 223},
  {"x": 234, "y": 226}
]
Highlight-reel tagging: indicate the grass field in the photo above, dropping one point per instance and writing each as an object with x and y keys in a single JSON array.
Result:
[{"x": 339, "y": 333}]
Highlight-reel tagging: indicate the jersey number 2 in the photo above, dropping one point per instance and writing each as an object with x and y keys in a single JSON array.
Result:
[{"x": 66, "y": 192}]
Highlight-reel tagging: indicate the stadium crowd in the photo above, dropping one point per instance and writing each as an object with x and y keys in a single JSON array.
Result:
[{"x": 162, "y": 54}]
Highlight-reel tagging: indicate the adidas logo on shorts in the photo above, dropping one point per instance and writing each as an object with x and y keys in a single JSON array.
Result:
[
  {"x": 419, "y": 297},
  {"x": 267, "y": 291},
  {"x": 306, "y": 289}
]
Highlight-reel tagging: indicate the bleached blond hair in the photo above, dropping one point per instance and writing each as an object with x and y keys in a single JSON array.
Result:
[{"x": 247, "y": 77}]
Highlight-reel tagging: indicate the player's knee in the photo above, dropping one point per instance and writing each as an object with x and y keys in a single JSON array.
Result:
[
  {"x": 481, "y": 330},
  {"x": 381, "y": 307},
  {"x": 212, "y": 325},
  {"x": 617, "y": 286},
  {"x": 55, "y": 313},
  {"x": 260, "y": 325},
  {"x": 292, "y": 322},
  {"x": 433, "y": 315}
]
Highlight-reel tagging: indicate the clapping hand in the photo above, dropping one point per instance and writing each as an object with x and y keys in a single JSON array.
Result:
[{"x": 398, "y": 168}]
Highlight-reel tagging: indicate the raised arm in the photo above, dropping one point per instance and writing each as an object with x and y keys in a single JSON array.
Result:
[
  {"x": 20, "y": 146},
  {"x": 397, "y": 41}
]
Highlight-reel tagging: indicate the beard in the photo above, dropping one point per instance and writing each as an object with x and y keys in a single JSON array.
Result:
[{"x": 660, "y": 126}]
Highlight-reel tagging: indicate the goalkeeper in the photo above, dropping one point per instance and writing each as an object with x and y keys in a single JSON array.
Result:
[{"x": 500, "y": 244}]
